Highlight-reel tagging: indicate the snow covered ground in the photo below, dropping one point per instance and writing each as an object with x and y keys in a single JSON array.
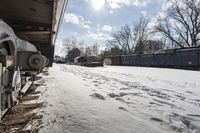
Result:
[{"x": 115, "y": 99}]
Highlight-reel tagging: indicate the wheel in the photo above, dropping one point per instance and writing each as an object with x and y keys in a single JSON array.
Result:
[{"x": 36, "y": 61}]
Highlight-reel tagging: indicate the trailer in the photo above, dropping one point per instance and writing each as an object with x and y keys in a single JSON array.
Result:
[
  {"x": 28, "y": 30},
  {"x": 187, "y": 58}
]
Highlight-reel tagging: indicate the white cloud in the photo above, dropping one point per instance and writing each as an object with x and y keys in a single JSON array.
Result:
[
  {"x": 144, "y": 13},
  {"x": 86, "y": 26},
  {"x": 111, "y": 11},
  {"x": 99, "y": 36},
  {"x": 77, "y": 20},
  {"x": 153, "y": 22},
  {"x": 114, "y": 4},
  {"x": 166, "y": 5},
  {"x": 98, "y": 4},
  {"x": 107, "y": 28},
  {"x": 162, "y": 15},
  {"x": 140, "y": 2},
  {"x": 102, "y": 48}
]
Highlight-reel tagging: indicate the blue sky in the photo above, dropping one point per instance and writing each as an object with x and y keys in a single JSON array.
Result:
[{"x": 93, "y": 21}]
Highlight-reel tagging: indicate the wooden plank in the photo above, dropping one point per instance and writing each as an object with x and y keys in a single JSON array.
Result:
[
  {"x": 33, "y": 32},
  {"x": 27, "y": 85}
]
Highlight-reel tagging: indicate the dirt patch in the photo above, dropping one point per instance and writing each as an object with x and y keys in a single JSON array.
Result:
[
  {"x": 35, "y": 92},
  {"x": 41, "y": 82},
  {"x": 21, "y": 118},
  {"x": 29, "y": 98},
  {"x": 45, "y": 71}
]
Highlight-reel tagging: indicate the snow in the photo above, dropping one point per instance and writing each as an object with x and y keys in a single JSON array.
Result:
[{"x": 116, "y": 99}]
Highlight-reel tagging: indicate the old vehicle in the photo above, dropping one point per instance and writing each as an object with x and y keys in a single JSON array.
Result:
[
  {"x": 17, "y": 59},
  {"x": 187, "y": 58},
  {"x": 27, "y": 38}
]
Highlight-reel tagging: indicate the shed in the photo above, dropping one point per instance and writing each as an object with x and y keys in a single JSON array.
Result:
[{"x": 80, "y": 59}]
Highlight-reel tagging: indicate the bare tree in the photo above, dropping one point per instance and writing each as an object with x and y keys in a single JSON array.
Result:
[
  {"x": 141, "y": 34},
  {"x": 92, "y": 50},
  {"x": 122, "y": 39},
  {"x": 70, "y": 43},
  {"x": 182, "y": 24},
  {"x": 131, "y": 39},
  {"x": 87, "y": 51},
  {"x": 81, "y": 46},
  {"x": 95, "y": 49},
  {"x": 110, "y": 52},
  {"x": 73, "y": 53},
  {"x": 154, "y": 45}
]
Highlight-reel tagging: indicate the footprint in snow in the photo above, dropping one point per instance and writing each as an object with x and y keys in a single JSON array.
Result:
[
  {"x": 156, "y": 119},
  {"x": 122, "y": 108},
  {"x": 99, "y": 96}
]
